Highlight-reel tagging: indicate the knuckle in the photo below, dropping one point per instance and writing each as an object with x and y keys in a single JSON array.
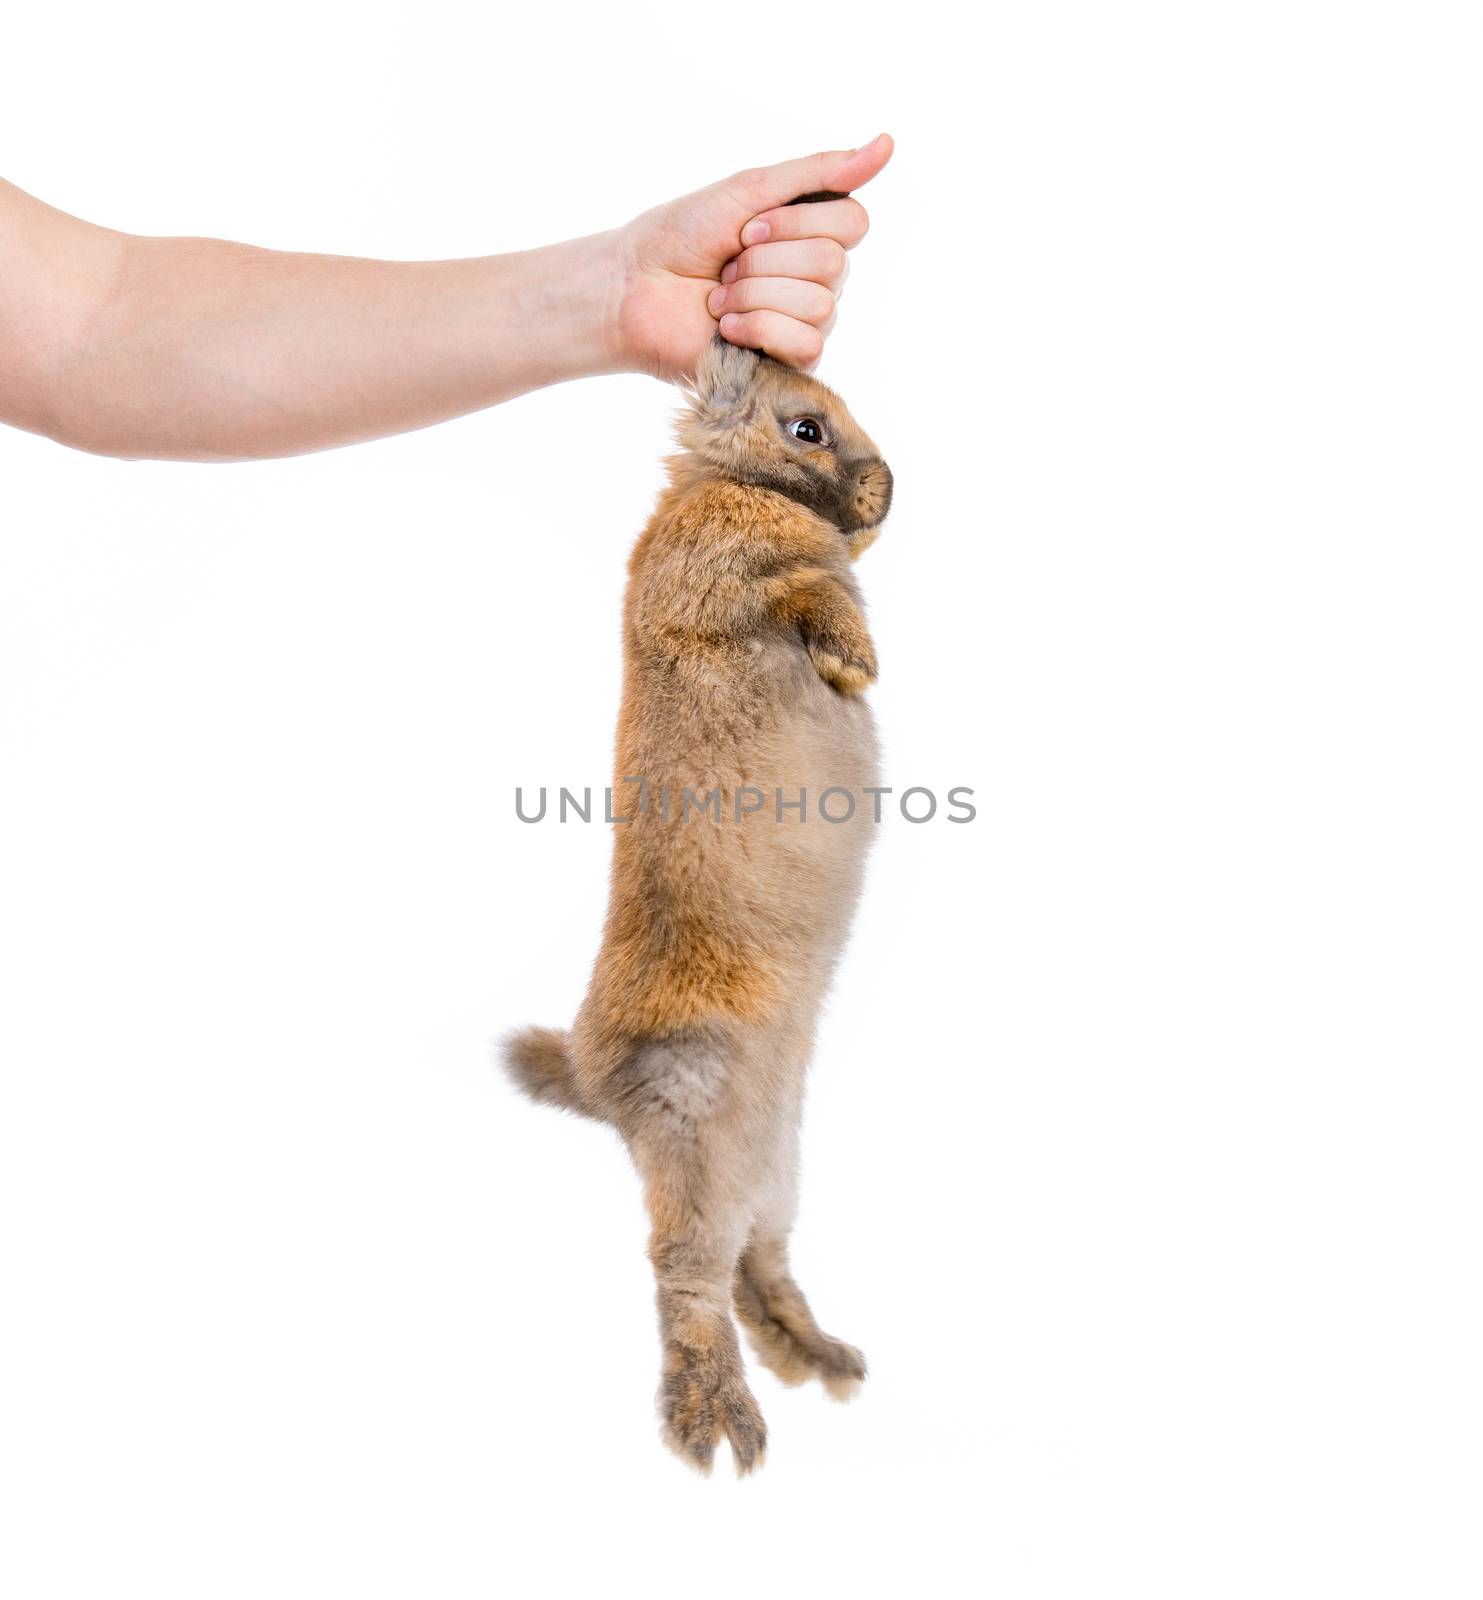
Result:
[{"x": 832, "y": 256}]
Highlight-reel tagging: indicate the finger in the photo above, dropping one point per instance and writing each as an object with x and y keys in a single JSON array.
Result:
[
  {"x": 794, "y": 297},
  {"x": 841, "y": 170},
  {"x": 818, "y": 260},
  {"x": 844, "y": 221},
  {"x": 784, "y": 338}
]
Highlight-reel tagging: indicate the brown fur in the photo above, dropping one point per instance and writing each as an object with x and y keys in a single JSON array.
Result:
[{"x": 745, "y": 654}]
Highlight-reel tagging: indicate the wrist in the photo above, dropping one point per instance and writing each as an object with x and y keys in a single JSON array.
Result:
[
  {"x": 629, "y": 334},
  {"x": 584, "y": 284}
]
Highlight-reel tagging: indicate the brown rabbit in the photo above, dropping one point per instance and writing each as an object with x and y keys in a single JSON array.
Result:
[{"x": 745, "y": 655}]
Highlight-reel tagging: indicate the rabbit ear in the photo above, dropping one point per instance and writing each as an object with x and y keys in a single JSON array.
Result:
[{"x": 723, "y": 376}]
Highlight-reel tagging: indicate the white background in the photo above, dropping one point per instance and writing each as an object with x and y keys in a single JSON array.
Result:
[{"x": 1142, "y": 1149}]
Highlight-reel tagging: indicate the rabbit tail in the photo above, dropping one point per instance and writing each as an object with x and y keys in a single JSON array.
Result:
[{"x": 539, "y": 1061}]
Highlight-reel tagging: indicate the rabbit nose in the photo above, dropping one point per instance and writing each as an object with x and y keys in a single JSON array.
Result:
[{"x": 873, "y": 489}]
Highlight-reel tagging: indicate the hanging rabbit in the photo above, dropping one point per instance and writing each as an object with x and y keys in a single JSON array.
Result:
[{"x": 746, "y": 659}]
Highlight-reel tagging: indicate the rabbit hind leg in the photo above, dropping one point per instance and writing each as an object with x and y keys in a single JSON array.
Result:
[
  {"x": 694, "y": 1138},
  {"x": 771, "y": 1306}
]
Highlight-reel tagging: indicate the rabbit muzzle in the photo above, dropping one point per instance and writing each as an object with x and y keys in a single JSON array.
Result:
[{"x": 869, "y": 503}]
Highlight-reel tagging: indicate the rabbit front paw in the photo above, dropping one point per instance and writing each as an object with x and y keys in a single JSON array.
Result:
[{"x": 849, "y": 666}]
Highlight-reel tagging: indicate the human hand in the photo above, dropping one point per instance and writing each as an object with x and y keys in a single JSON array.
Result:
[{"x": 738, "y": 256}]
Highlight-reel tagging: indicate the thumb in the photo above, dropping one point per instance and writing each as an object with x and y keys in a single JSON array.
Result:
[{"x": 840, "y": 170}]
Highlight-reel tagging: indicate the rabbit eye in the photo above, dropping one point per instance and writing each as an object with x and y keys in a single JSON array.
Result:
[{"x": 807, "y": 430}]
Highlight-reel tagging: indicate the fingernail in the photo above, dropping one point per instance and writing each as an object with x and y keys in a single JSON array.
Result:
[
  {"x": 756, "y": 232},
  {"x": 716, "y": 299},
  {"x": 729, "y": 322},
  {"x": 728, "y": 272}
]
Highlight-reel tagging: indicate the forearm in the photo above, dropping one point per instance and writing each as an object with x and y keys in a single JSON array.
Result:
[{"x": 196, "y": 349}]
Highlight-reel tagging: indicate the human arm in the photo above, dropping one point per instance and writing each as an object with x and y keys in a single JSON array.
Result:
[{"x": 200, "y": 349}]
